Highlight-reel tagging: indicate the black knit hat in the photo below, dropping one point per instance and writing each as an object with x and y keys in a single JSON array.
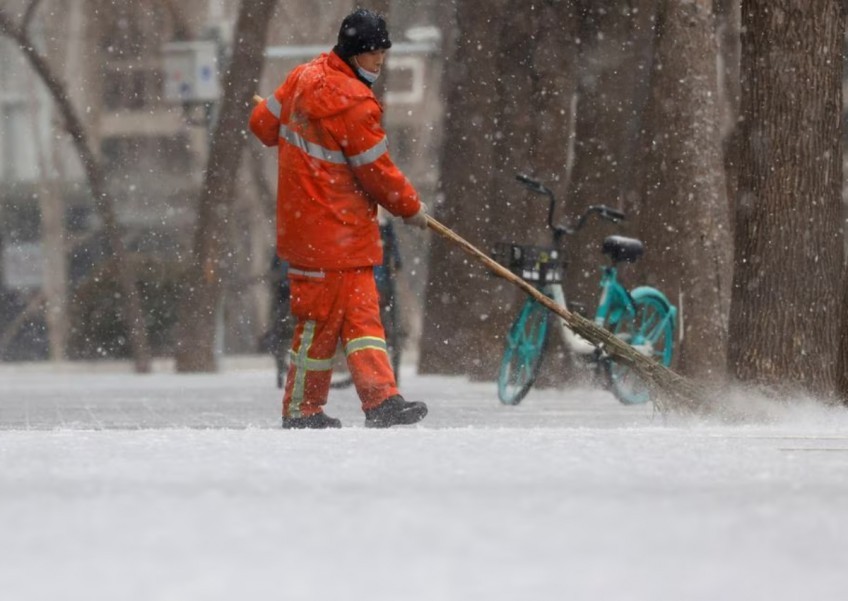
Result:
[{"x": 362, "y": 31}]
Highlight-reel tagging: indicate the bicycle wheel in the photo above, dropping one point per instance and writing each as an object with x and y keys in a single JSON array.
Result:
[
  {"x": 651, "y": 332},
  {"x": 525, "y": 346}
]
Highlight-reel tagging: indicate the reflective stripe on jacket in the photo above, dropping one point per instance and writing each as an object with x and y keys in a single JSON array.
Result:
[{"x": 334, "y": 167}]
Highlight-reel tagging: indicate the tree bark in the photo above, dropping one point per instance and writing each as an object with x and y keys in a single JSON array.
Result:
[
  {"x": 103, "y": 202},
  {"x": 458, "y": 294},
  {"x": 506, "y": 96},
  {"x": 203, "y": 286},
  {"x": 683, "y": 216},
  {"x": 789, "y": 244},
  {"x": 615, "y": 53},
  {"x": 842, "y": 364},
  {"x": 728, "y": 25}
]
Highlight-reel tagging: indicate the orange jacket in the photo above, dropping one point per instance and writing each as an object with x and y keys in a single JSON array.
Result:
[{"x": 334, "y": 167}]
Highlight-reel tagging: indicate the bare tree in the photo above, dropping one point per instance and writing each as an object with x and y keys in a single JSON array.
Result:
[
  {"x": 104, "y": 203},
  {"x": 789, "y": 239},
  {"x": 203, "y": 285},
  {"x": 684, "y": 217}
]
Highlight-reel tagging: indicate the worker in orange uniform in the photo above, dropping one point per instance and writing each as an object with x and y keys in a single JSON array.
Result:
[{"x": 334, "y": 170}]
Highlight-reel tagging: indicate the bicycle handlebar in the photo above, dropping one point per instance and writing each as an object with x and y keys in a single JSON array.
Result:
[
  {"x": 603, "y": 211},
  {"x": 534, "y": 185},
  {"x": 610, "y": 213}
]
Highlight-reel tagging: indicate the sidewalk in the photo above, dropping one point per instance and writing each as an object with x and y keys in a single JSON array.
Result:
[{"x": 170, "y": 486}]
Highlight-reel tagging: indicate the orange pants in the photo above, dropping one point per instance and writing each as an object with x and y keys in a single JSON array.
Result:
[{"x": 332, "y": 306}]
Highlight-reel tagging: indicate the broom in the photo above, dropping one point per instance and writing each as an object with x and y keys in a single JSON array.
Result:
[{"x": 671, "y": 390}]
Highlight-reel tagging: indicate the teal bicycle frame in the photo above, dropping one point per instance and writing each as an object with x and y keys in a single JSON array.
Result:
[
  {"x": 617, "y": 306},
  {"x": 643, "y": 317}
]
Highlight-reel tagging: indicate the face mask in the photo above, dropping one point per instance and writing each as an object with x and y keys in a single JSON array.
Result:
[{"x": 368, "y": 76}]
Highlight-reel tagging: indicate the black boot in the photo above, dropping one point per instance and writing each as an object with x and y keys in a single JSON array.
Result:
[
  {"x": 316, "y": 421},
  {"x": 395, "y": 411}
]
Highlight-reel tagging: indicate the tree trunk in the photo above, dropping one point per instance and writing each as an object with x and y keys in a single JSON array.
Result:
[
  {"x": 454, "y": 309},
  {"x": 505, "y": 101},
  {"x": 788, "y": 257},
  {"x": 728, "y": 24},
  {"x": 683, "y": 217},
  {"x": 614, "y": 58},
  {"x": 842, "y": 364},
  {"x": 203, "y": 286}
]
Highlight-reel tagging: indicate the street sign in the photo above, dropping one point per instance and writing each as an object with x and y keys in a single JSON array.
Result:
[{"x": 191, "y": 71}]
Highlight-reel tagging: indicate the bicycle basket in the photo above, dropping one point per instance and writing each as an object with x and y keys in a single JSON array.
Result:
[{"x": 536, "y": 264}]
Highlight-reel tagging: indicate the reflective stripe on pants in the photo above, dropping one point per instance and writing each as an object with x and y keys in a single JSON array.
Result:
[{"x": 352, "y": 316}]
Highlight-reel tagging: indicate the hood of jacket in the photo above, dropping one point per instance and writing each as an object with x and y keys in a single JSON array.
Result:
[{"x": 327, "y": 86}]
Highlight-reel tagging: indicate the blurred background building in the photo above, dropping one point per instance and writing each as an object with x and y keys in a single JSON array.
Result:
[{"x": 120, "y": 62}]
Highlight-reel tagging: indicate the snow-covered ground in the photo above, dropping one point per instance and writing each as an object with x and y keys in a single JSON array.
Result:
[{"x": 175, "y": 487}]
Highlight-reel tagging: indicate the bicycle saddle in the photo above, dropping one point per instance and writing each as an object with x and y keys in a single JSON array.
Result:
[{"x": 620, "y": 248}]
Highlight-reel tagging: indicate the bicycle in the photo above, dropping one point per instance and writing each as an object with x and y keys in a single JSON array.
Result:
[
  {"x": 643, "y": 316},
  {"x": 277, "y": 340}
]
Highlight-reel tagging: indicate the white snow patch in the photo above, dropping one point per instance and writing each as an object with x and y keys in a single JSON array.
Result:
[{"x": 182, "y": 487}]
